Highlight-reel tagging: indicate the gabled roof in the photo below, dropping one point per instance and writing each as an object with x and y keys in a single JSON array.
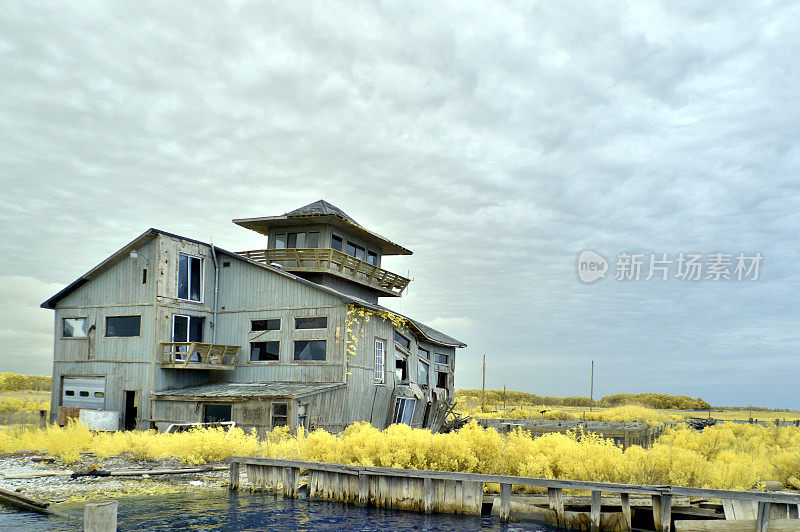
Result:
[
  {"x": 423, "y": 330},
  {"x": 323, "y": 212}
]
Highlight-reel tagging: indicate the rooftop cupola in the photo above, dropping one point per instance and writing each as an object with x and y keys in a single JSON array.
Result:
[{"x": 321, "y": 243}]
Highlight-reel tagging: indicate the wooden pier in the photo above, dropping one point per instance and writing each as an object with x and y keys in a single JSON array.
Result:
[{"x": 462, "y": 493}]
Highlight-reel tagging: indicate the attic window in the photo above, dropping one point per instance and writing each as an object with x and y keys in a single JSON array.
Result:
[{"x": 226, "y": 264}]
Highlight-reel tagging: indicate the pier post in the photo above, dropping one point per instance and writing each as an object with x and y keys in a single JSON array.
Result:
[
  {"x": 233, "y": 483},
  {"x": 428, "y": 494},
  {"x": 763, "y": 516},
  {"x": 363, "y": 489},
  {"x": 556, "y": 498},
  {"x": 100, "y": 517},
  {"x": 594, "y": 516},
  {"x": 505, "y": 501},
  {"x": 625, "y": 501},
  {"x": 662, "y": 512}
]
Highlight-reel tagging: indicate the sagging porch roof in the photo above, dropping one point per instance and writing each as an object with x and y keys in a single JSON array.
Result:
[{"x": 235, "y": 390}]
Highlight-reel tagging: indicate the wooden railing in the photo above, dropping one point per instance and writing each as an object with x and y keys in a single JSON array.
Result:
[
  {"x": 198, "y": 355},
  {"x": 462, "y": 493},
  {"x": 331, "y": 261}
]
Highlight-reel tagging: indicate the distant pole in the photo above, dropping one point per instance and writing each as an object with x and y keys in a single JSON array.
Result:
[
  {"x": 483, "y": 389},
  {"x": 504, "y": 397},
  {"x": 591, "y": 387}
]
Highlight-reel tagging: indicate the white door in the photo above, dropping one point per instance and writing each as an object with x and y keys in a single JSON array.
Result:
[{"x": 84, "y": 392}]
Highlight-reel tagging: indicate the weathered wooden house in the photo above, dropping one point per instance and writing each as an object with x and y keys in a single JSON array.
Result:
[{"x": 172, "y": 330}]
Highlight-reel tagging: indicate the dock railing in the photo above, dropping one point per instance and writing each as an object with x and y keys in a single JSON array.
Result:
[{"x": 462, "y": 493}]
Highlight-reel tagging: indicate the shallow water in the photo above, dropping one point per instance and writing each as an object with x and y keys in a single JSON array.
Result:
[{"x": 255, "y": 511}]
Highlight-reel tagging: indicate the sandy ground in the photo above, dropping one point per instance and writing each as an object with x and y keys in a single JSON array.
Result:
[{"x": 61, "y": 488}]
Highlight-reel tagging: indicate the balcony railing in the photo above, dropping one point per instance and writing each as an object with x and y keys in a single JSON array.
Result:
[
  {"x": 198, "y": 355},
  {"x": 334, "y": 262}
]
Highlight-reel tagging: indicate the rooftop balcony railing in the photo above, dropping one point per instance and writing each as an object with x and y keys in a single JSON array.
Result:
[
  {"x": 198, "y": 355},
  {"x": 331, "y": 261}
]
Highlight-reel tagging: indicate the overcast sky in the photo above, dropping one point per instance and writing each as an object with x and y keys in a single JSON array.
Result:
[{"x": 495, "y": 140}]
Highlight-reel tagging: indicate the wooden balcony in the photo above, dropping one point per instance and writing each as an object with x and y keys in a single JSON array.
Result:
[
  {"x": 331, "y": 261},
  {"x": 198, "y": 355}
]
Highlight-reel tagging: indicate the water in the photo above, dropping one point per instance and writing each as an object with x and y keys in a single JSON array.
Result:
[{"x": 254, "y": 511}]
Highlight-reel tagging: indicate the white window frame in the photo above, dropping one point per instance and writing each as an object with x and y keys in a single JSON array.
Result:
[
  {"x": 189, "y": 278},
  {"x": 85, "y": 328},
  {"x": 380, "y": 361}
]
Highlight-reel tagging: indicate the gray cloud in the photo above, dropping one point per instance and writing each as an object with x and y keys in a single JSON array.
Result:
[{"x": 495, "y": 140}]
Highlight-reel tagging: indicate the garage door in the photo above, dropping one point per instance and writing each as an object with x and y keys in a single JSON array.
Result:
[{"x": 84, "y": 392}]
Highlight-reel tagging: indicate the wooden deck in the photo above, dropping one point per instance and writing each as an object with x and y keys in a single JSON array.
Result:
[
  {"x": 462, "y": 493},
  {"x": 331, "y": 261},
  {"x": 198, "y": 355}
]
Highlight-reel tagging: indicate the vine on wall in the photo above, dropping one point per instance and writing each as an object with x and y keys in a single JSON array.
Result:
[{"x": 357, "y": 317}]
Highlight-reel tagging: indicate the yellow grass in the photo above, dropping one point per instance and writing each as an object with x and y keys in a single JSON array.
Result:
[{"x": 726, "y": 456}]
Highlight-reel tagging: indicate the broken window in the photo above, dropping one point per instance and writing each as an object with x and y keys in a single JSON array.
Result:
[
  {"x": 73, "y": 328},
  {"x": 280, "y": 241},
  {"x": 309, "y": 350},
  {"x": 266, "y": 325},
  {"x": 123, "y": 325},
  {"x": 216, "y": 413},
  {"x": 424, "y": 353},
  {"x": 280, "y": 414},
  {"x": 441, "y": 380},
  {"x": 302, "y": 416},
  {"x": 401, "y": 340},
  {"x": 442, "y": 359},
  {"x": 336, "y": 242},
  {"x": 401, "y": 366},
  {"x": 190, "y": 277},
  {"x": 296, "y": 240},
  {"x": 264, "y": 351},
  {"x": 372, "y": 258},
  {"x": 320, "y": 322},
  {"x": 380, "y": 361},
  {"x": 404, "y": 410},
  {"x": 423, "y": 373}
]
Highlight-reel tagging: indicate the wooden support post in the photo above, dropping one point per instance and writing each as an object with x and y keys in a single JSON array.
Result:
[
  {"x": 363, "y": 490},
  {"x": 656, "y": 512},
  {"x": 233, "y": 484},
  {"x": 428, "y": 494},
  {"x": 762, "y": 519},
  {"x": 662, "y": 512},
  {"x": 625, "y": 501},
  {"x": 595, "y": 510},
  {"x": 100, "y": 517},
  {"x": 505, "y": 501},
  {"x": 556, "y": 497}
]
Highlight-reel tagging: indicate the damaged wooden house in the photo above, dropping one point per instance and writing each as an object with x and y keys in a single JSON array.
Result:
[{"x": 172, "y": 330}]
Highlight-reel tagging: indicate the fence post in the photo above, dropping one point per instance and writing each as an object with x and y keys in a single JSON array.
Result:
[
  {"x": 233, "y": 483},
  {"x": 100, "y": 517}
]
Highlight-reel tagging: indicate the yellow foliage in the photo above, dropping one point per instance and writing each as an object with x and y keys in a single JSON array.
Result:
[
  {"x": 620, "y": 413},
  {"x": 10, "y": 405},
  {"x": 725, "y": 456}
]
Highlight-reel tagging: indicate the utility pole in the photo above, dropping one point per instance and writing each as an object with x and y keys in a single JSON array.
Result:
[
  {"x": 504, "y": 397},
  {"x": 591, "y": 388},
  {"x": 483, "y": 389}
]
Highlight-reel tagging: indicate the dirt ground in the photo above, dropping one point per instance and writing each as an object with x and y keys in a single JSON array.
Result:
[{"x": 52, "y": 483}]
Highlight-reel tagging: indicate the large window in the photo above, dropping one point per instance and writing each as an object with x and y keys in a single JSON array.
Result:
[
  {"x": 216, "y": 413},
  {"x": 320, "y": 322},
  {"x": 355, "y": 251},
  {"x": 187, "y": 329},
  {"x": 401, "y": 340},
  {"x": 423, "y": 373},
  {"x": 190, "y": 277},
  {"x": 404, "y": 410},
  {"x": 123, "y": 325},
  {"x": 280, "y": 414},
  {"x": 296, "y": 240},
  {"x": 73, "y": 328},
  {"x": 336, "y": 242},
  {"x": 264, "y": 351},
  {"x": 266, "y": 325},
  {"x": 309, "y": 350},
  {"x": 380, "y": 361}
]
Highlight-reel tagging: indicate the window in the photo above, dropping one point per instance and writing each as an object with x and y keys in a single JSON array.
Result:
[
  {"x": 226, "y": 264},
  {"x": 296, "y": 240},
  {"x": 123, "y": 325},
  {"x": 355, "y": 251},
  {"x": 264, "y": 351},
  {"x": 401, "y": 340},
  {"x": 190, "y": 277},
  {"x": 442, "y": 359},
  {"x": 280, "y": 241},
  {"x": 401, "y": 366},
  {"x": 302, "y": 416},
  {"x": 73, "y": 328},
  {"x": 380, "y": 361},
  {"x": 372, "y": 258},
  {"x": 69, "y": 393},
  {"x": 441, "y": 380},
  {"x": 187, "y": 329},
  {"x": 424, "y": 353},
  {"x": 266, "y": 325},
  {"x": 100, "y": 394},
  {"x": 404, "y": 410},
  {"x": 84, "y": 393},
  {"x": 144, "y": 275},
  {"x": 423, "y": 373},
  {"x": 280, "y": 414},
  {"x": 309, "y": 350},
  {"x": 336, "y": 242},
  {"x": 312, "y": 240},
  {"x": 311, "y": 323},
  {"x": 216, "y": 413}
]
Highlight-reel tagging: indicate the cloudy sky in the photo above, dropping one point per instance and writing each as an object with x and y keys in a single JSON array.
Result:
[{"x": 497, "y": 140}]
